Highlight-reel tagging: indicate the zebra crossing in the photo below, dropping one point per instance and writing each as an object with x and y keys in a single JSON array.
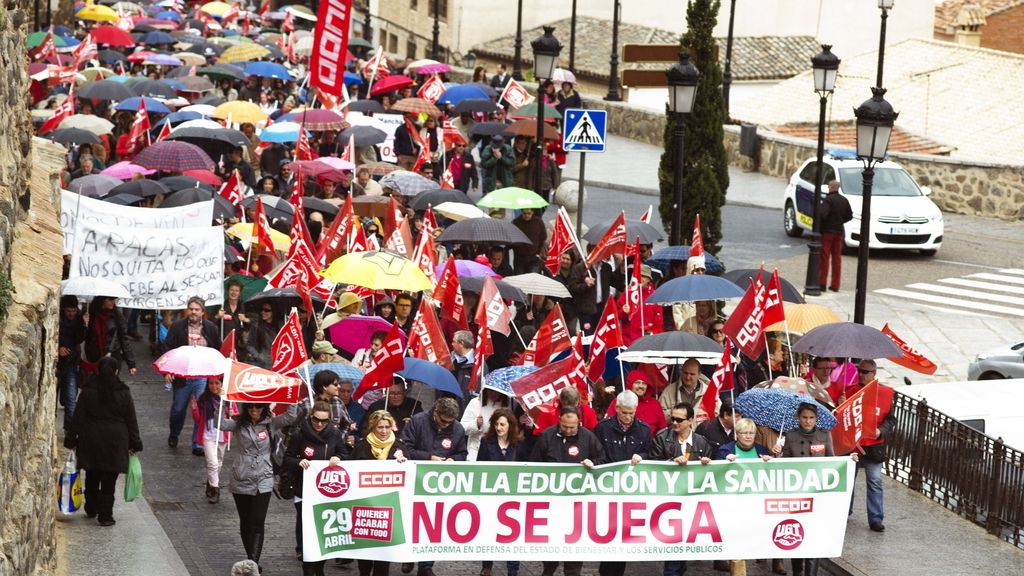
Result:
[{"x": 993, "y": 294}]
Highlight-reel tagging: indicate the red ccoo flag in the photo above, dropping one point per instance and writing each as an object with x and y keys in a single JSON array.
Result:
[
  {"x": 426, "y": 255},
  {"x": 330, "y": 45},
  {"x": 139, "y": 134},
  {"x": 426, "y": 339},
  {"x": 484, "y": 348},
  {"x": 85, "y": 51},
  {"x": 746, "y": 322},
  {"x": 492, "y": 310},
  {"x": 911, "y": 358},
  {"x": 614, "y": 240},
  {"x": 335, "y": 241},
  {"x": 448, "y": 293},
  {"x": 288, "y": 350},
  {"x": 232, "y": 188},
  {"x": 561, "y": 242},
  {"x": 721, "y": 381},
  {"x": 551, "y": 338},
  {"x": 857, "y": 418},
  {"x": 165, "y": 131},
  {"x": 697, "y": 242},
  {"x": 388, "y": 360},
  {"x": 63, "y": 110},
  {"x": 773, "y": 309},
  {"x": 261, "y": 229},
  {"x": 607, "y": 336}
]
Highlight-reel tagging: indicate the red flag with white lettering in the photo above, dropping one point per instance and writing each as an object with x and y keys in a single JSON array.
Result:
[
  {"x": 288, "y": 350},
  {"x": 335, "y": 241},
  {"x": 721, "y": 381},
  {"x": 388, "y": 360},
  {"x": 62, "y": 111},
  {"x": 47, "y": 48},
  {"x": 484, "y": 348},
  {"x": 232, "y": 188},
  {"x": 633, "y": 290},
  {"x": 426, "y": 255},
  {"x": 330, "y": 45},
  {"x": 857, "y": 419},
  {"x": 561, "y": 242},
  {"x": 745, "y": 324},
  {"x": 426, "y": 339},
  {"x": 302, "y": 149},
  {"x": 299, "y": 232},
  {"x": 139, "y": 134},
  {"x": 578, "y": 376},
  {"x": 165, "y": 131},
  {"x": 540, "y": 388},
  {"x": 85, "y": 51},
  {"x": 515, "y": 94},
  {"x": 614, "y": 240},
  {"x": 607, "y": 336},
  {"x": 646, "y": 216},
  {"x": 400, "y": 241},
  {"x": 261, "y": 229},
  {"x": 911, "y": 358},
  {"x": 228, "y": 348},
  {"x": 429, "y": 221},
  {"x": 448, "y": 293},
  {"x": 247, "y": 383},
  {"x": 551, "y": 338},
  {"x": 492, "y": 309},
  {"x": 432, "y": 89},
  {"x": 773, "y": 309},
  {"x": 697, "y": 242}
]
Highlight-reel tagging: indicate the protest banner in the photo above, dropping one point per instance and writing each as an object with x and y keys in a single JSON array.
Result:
[
  {"x": 160, "y": 268},
  {"x": 390, "y": 122},
  {"x": 105, "y": 214},
  {"x": 457, "y": 511}
]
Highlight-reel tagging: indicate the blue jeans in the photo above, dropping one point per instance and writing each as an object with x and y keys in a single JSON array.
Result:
[
  {"x": 180, "y": 406},
  {"x": 67, "y": 381},
  {"x": 873, "y": 474},
  {"x": 674, "y": 568}
]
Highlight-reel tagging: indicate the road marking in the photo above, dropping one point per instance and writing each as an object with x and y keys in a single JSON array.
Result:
[
  {"x": 975, "y": 294},
  {"x": 983, "y": 285},
  {"x": 958, "y": 312},
  {"x": 1012, "y": 271},
  {"x": 956, "y": 303},
  {"x": 969, "y": 264},
  {"x": 997, "y": 277}
]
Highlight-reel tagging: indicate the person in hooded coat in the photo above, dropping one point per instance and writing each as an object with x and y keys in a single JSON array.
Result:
[{"x": 648, "y": 409}]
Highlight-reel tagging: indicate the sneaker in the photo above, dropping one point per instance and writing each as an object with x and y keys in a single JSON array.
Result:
[{"x": 877, "y": 527}]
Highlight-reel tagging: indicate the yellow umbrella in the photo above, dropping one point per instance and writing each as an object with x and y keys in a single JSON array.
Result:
[
  {"x": 378, "y": 271},
  {"x": 93, "y": 74},
  {"x": 97, "y": 13},
  {"x": 191, "y": 58},
  {"x": 215, "y": 8},
  {"x": 240, "y": 111},
  {"x": 243, "y": 231},
  {"x": 801, "y": 318},
  {"x": 243, "y": 53}
]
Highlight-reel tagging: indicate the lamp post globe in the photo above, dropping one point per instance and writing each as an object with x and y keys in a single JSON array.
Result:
[
  {"x": 469, "y": 60},
  {"x": 683, "y": 78},
  {"x": 825, "y": 67}
]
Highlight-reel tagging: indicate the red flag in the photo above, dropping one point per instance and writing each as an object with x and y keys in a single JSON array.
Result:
[
  {"x": 45, "y": 49},
  {"x": 578, "y": 376},
  {"x": 856, "y": 416},
  {"x": 614, "y": 240},
  {"x": 335, "y": 241},
  {"x": 230, "y": 14},
  {"x": 646, "y": 216},
  {"x": 426, "y": 339},
  {"x": 377, "y": 66},
  {"x": 492, "y": 310},
  {"x": 302, "y": 149},
  {"x": 746, "y": 322},
  {"x": 484, "y": 348},
  {"x": 139, "y": 134},
  {"x": 63, "y": 110},
  {"x": 447, "y": 180},
  {"x": 289, "y": 22},
  {"x": 721, "y": 381},
  {"x": 551, "y": 338},
  {"x": 388, "y": 360},
  {"x": 432, "y": 89},
  {"x": 265, "y": 8},
  {"x": 911, "y": 358},
  {"x": 299, "y": 232},
  {"x": 392, "y": 218},
  {"x": 246, "y": 383},
  {"x": 227, "y": 348},
  {"x": 561, "y": 242},
  {"x": 359, "y": 242},
  {"x": 448, "y": 293},
  {"x": 426, "y": 255},
  {"x": 349, "y": 155},
  {"x": 515, "y": 94},
  {"x": 302, "y": 289},
  {"x": 423, "y": 157},
  {"x": 634, "y": 295},
  {"x": 246, "y": 24},
  {"x": 697, "y": 243},
  {"x": 773, "y": 309},
  {"x": 288, "y": 349},
  {"x": 608, "y": 335},
  {"x": 261, "y": 229},
  {"x": 540, "y": 388},
  {"x": 301, "y": 265},
  {"x": 165, "y": 131},
  {"x": 400, "y": 241},
  {"x": 429, "y": 221},
  {"x": 232, "y": 188},
  {"x": 86, "y": 50}
]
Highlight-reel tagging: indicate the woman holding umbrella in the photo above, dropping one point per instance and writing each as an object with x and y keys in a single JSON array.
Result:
[
  {"x": 260, "y": 336},
  {"x": 379, "y": 443}
]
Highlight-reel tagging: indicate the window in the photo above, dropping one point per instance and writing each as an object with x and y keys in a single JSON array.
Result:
[
  {"x": 410, "y": 48},
  {"x": 414, "y": 4},
  {"x": 442, "y": 6},
  {"x": 393, "y": 43}
]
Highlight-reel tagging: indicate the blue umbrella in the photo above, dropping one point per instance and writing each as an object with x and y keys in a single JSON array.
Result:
[
  {"x": 63, "y": 30},
  {"x": 663, "y": 258},
  {"x": 168, "y": 15},
  {"x": 353, "y": 78},
  {"x": 776, "y": 408},
  {"x": 457, "y": 94},
  {"x": 69, "y": 41},
  {"x": 344, "y": 371},
  {"x": 693, "y": 287},
  {"x": 176, "y": 117},
  {"x": 437, "y": 377},
  {"x": 281, "y": 132},
  {"x": 152, "y": 106},
  {"x": 268, "y": 70},
  {"x": 501, "y": 379},
  {"x": 157, "y": 37}
]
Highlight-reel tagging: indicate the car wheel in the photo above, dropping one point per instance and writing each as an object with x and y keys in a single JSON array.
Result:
[
  {"x": 991, "y": 376},
  {"x": 929, "y": 253},
  {"x": 789, "y": 221}
]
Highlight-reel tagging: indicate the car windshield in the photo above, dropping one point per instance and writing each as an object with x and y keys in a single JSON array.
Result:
[{"x": 887, "y": 182}]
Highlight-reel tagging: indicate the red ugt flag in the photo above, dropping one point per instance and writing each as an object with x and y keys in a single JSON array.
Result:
[
  {"x": 288, "y": 349},
  {"x": 247, "y": 383},
  {"x": 388, "y": 360},
  {"x": 721, "y": 381}
]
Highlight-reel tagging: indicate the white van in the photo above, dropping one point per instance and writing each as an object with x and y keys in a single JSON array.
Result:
[{"x": 987, "y": 406}]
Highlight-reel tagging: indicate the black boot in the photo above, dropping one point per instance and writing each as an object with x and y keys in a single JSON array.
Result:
[
  {"x": 257, "y": 548},
  {"x": 798, "y": 566},
  {"x": 247, "y": 544},
  {"x": 811, "y": 567},
  {"x": 105, "y": 509}
]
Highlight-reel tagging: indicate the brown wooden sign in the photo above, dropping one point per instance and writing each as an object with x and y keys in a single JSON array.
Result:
[
  {"x": 644, "y": 78},
  {"x": 650, "y": 53}
]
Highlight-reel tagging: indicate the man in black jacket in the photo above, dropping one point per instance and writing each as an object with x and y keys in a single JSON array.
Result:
[
  {"x": 834, "y": 211},
  {"x": 192, "y": 330},
  {"x": 70, "y": 334},
  {"x": 718, "y": 431}
]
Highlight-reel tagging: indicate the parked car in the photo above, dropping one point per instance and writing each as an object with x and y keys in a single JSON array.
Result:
[
  {"x": 1003, "y": 362},
  {"x": 902, "y": 215}
]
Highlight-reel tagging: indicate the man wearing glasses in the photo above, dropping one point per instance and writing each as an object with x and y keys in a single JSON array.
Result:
[
  {"x": 403, "y": 312},
  {"x": 873, "y": 444}
]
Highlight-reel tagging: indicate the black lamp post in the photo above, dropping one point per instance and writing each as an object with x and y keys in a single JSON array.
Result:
[
  {"x": 727, "y": 73},
  {"x": 885, "y": 6},
  {"x": 683, "y": 78},
  {"x": 875, "y": 118},
  {"x": 613, "y": 74},
  {"x": 517, "y": 66},
  {"x": 826, "y": 67},
  {"x": 469, "y": 60},
  {"x": 546, "y": 49},
  {"x": 367, "y": 29},
  {"x": 435, "y": 50},
  {"x": 572, "y": 39}
]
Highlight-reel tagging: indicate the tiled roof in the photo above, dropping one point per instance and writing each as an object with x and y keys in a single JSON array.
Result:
[
  {"x": 844, "y": 134},
  {"x": 754, "y": 58},
  {"x": 958, "y": 96},
  {"x": 947, "y": 11}
]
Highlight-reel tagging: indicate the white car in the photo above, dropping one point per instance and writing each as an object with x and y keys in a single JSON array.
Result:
[
  {"x": 902, "y": 215},
  {"x": 1003, "y": 362}
]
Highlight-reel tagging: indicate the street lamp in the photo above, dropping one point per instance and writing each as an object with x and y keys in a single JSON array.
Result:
[
  {"x": 885, "y": 6},
  {"x": 826, "y": 67},
  {"x": 613, "y": 74},
  {"x": 683, "y": 78},
  {"x": 517, "y": 56},
  {"x": 572, "y": 39},
  {"x": 727, "y": 73},
  {"x": 469, "y": 60},
  {"x": 546, "y": 49},
  {"x": 875, "y": 118},
  {"x": 435, "y": 51}
]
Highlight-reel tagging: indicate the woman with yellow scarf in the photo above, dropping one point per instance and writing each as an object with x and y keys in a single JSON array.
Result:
[{"x": 379, "y": 443}]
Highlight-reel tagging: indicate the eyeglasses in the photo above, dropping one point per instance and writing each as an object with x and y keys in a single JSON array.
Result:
[
  {"x": 716, "y": 330},
  {"x": 316, "y": 420},
  {"x": 266, "y": 310},
  {"x": 676, "y": 420},
  {"x": 863, "y": 371}
]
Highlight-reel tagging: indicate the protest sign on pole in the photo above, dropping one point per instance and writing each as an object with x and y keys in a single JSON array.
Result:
[
  {"x": 457, "y": 511},
  {"x": 112, "y": 216},
  {"x": 161, "y": 268}
]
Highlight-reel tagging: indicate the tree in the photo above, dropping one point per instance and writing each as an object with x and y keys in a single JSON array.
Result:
[{"x": 706, "y": 175}]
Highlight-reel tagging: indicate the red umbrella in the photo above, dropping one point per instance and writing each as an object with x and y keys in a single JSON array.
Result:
[
  {"x": 140, "y": 56},
  {"x": 173, "y": 156},
  {"x": 112, "y": 36},
  {"x": 311, "y": 168},
  {"x": 204, "y": 176},
  {"x": 390, "y": 84}
]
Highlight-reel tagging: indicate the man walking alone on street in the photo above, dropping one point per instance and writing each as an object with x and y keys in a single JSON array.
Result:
[{"x": 834, "y": 212}]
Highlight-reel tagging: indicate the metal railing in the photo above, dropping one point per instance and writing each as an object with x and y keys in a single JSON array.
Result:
[{"x": 976, "y": 476}]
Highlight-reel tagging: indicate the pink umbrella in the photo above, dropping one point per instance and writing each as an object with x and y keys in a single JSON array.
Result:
[
  {"x": 125, "y": 170},
  {"x": 439, "y": 68},
  {"x": 467, "y": 268},
  {"x": 336, "y": 163},
  {"x": 354, "y": 332},
  {"x": 191, "y": 362}
]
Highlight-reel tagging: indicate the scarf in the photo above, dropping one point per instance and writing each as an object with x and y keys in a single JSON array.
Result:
[{"x": 380, "y": 448}]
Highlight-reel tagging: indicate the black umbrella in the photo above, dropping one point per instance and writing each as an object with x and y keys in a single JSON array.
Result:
[
  {"x": 211, "y": 100},
  {"x": 219, "y": 71},
  {"x": 283, "y": 298},
  {"x": 365, "y": 106},
  {"x": 847, "y": 340},
  {"x": 364, "y": 135},
  {"x": 488, "y": 129},
  {"x": 153, "y": 89},
  {"x": 506, "y": 290},
  {"x": 484, "y": 231},
  {"x": 199, "y": 136},
  {"x": 476, "y": 105},
  {"x": 648, "y": 234},
  {"x": 106, "y": 90},
  {"x": 144, "y": 188},
  {"x": 232, "y": 256},
  {"x": 311, "y": 204},
  {"x": 276, "y": 208},
  {"x": 436, "y": 197},
  {"x": 222, "y": 207},
  {"x": 123, "y": 199},
  {"x": 743, "y": 276},
  {"x": 673, "y": 347},
  {"x": 73, "y": 136},
  {"x": 275, "y": 51},
  {"x": 110, "y": 57},
  {"x": 184, "y": 182}
]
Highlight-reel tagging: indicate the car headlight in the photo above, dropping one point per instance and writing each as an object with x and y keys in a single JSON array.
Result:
[
  {"x": 936, "y": 217},
  {"x": 981, "y": 357}
]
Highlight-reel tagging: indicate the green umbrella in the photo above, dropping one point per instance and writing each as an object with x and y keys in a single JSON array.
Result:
[
  {"x": 530, "y": 111},
  {"x": 36, "y": 38},
  {"x": 250, "y": 286},
  {"x": 357, "y": 42},
  {"x": 512, "y": 198}
]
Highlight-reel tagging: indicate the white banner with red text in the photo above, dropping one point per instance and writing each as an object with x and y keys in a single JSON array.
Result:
[{"x": 415, "y": 511}]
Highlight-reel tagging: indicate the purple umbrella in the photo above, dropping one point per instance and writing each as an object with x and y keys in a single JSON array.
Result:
[
  {"x": 439, "y": 68},
  {"x": 467, "y": 268},
  {"x": 354, "y": 332}
]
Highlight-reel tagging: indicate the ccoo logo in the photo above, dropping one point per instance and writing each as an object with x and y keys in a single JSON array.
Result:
[
  {"x": 788, "y": 534},
  {"x": 332, "y": 481}
]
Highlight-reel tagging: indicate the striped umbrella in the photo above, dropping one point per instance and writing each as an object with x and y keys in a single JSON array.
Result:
[
  {"x": 317, "y": 119},
  {"x": 417, "y": 106},
  {"x": 174, "y": 156}
]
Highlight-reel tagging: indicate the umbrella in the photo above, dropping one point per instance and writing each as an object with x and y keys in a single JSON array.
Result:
[
  {"x": 174, "y": 156},
  {"x": 317, "y": 119},
  {"x": 144, "y": 188},
  {"x": 185, "y": 182},
  {"x": 359, "y": 42},
  {"x": 284, "y": 297},
  {"x": 743, "y": 276},
  {"x": 512, "y": 198},
  {"x": 437, "y": 68},
  {"x": 86, "y": 286},
  {"x": 153, "y": 89},
  {"x": 111, "y": 56},
  {"x": 800, "y": 386},
  {"x": 344, "y": 371},
  {"x": 300, "y": 11},
  {"x": 776, "y": 408},
  {"x": 250, "y": 285},
  {"x": 311, "y": 168},
  {"x": 407, "y": 183},
  {"x": 312, "y": 204},
  {"x": 105, "y": 90},
  {"x": 222, "y": 207},
  {"x": 378, "y": 271},
  {"x": 191, "y": 59},
  {"x": 365, "y": 106},
  {"x": 221, "y": 71},
  {"x": 97, "y": 13},
  {"x": 162, "y": 60},
  {"x": 93, "y": 185},
  {"x": 433, "y": 375},
  {"x": 802, "y": 318},
  {"x": 476, "y": 106},
  {"x": 196, "y": 83},
  {"x": 281, "y": 132},
  {"x": 363, "y": 135},
  {"x": 125, "y": 170},
  {"x": 847, "y": 340},
  {"x": 422, "y": 62},
  {"x": 204, "y": 176},
  {"x": 438, "y": 196},
  {"x": 484, "y": 231},
  {"x": 240, "y": 111},
  {"x": 662, "y": 259},
  {"x": 414, "y": 105},
  {"x": 372, "y": 206},
  {"x": 123, "y": 199},
  {"x": 353, "y": 79},
  {"x": 197, "y": 123},
  {"x": 390, "y": 84},
  {"x": 466, "y": 268},
  {"x": 530, "y": 111},
  {"x": 89, "y": 122},
  {"x": 157, "y": 37},
  {"x": 278, "y": 54},
  {"x": 671, "y": 348},
  {"x": 457, "y": 94},
  {"x": 501, "y": 379},
  {"x": 336, "y": 163},
  {"x": 488, "y": 129},
  {"x": 191, "y": 362},
  {"x": 533, "y": 283},
  {"x": 379, "y": 168},
  {"x": 693, "y": 287},
  {"x": 152, "y": 106},
  {"x": 204, "y": 110},
  {"x": 562, "y": 75},
  {"x": 112, "y": 36},
  {"x": 215, "y": 8},
  {"x": 458, "y": 211},
  {"x": 69, "y": 136},
  {"x": 196, "y": 135},
  {"x": 95, "y": 74},
  {"x": 528, "y": 129},
  {"x": 244, "y": 52},
  {"x": 506, "y": 290},
  {"x": 276, "y": 208},
  {"x": 354, "y": 331},
  {"x": 267, "y": 70},
  {"x": 634, "y": 228}
]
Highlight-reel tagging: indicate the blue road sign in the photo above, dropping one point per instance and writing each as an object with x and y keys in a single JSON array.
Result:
[{"x": 585, "y": 130}]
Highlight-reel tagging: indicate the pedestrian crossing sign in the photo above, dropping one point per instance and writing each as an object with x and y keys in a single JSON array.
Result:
[{"x": 585, "y": 130}]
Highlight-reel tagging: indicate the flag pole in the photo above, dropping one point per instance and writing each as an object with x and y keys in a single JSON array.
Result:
[
  {"x": 513, "y": 325},
  {"x": 575, "y": 240},
  {"x": 768, "y": 357}
]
